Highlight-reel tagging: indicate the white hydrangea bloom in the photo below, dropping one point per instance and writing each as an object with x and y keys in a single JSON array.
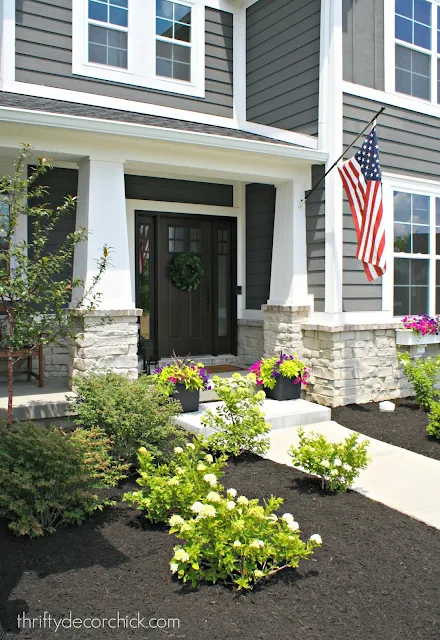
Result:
[
  {"x": 288, "y": 517},
  {"x": 258, "y": 574},
  {"x": 243, "y": 501},
  {"x": 230, "y": 505},
  {"x": 232, "y": 492},
  {"x": 325, "y": 464},
  {"x": 190, "y": 445},
  {"x": 209, "y": 458},
  {"x": 347, "y": 467},
  {"x": 208, "y": 511},
  {"x": 334, "y": 472},
  {"x": 257, "y": 544},
  {"x": 293, "y": 526},
  {"x": 337, "y": 462},
  {"x": 210, "y": 478},
  {"x": 176, "y": 520},
  {"x": 197, "y": 507},
  {"x": 178, "y": 450},
  {"x": 173, "y": 481},
  {"x": 181, "y": 555},
  {"x": 237, "y": 544},
  {"x": 316, "y": 538},
  {"x": 273, "y": 518},
  {"x": 201, "y": 467},
  {"x": 213, "y": 496},
  {"x": 174, "y": 567},
  {"x": 180, "y": 471}
]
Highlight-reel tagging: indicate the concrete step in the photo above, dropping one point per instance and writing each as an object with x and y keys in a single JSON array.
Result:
[
  {"x": 281, "y": 415},
  {"x": 33, "y": 403}
]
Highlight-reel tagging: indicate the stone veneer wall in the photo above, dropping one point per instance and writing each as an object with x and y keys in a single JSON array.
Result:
[
  {"x": 107, "y": 340},
  {"x": 354, "y": 364},
  {"x": 56, "y": 361},
  {"x": 250, "y": 341},
  {"x": 282, "y": 329}
]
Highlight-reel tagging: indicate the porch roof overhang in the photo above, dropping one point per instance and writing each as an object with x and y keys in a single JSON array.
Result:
[{"x": 164, "y": 129}]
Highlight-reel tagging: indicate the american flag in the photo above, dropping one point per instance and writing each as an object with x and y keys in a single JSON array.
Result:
[{"x": 361, "y": 177}]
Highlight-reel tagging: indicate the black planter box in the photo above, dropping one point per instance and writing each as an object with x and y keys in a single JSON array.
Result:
[
  {"x": 188, "y": 399},
  {"x": 284, "y": 389}
]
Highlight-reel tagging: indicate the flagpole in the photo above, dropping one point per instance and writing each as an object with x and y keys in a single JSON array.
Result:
[{"x": 373, "y": 119}]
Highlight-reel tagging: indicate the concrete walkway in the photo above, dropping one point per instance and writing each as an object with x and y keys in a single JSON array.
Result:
[{"x": 400, "y": 479}]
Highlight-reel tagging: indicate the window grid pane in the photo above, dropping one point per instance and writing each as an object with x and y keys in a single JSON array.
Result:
[
  {"x": 413, "y": 73},
  {"x": 413, "y": 22},
  {"x": 113, "y": 12},
  {"x": 411, "y": 223},
  {"x": 107, "y": 46},
  {"x": 173, "y": 23}
]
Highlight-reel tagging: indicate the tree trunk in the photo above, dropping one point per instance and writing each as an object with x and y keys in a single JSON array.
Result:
[{"x": 10, "y": 373}]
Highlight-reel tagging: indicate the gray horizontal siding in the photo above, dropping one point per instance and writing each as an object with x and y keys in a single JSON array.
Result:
[
  {"x": 166, "y": 190},
  {"x": 44, "y": 56},
  {"x": 315, "y": 228},
  {"x": 363, "y": 42},
  {"x": 282, "y": 64},
  {"x": 260, "y": 215},
  {"x": 60, "y": 183}
]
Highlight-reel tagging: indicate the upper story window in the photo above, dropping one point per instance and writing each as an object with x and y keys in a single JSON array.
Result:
[
  {"x": 108, "y": 32},
  {"x": 417, "y": 49},
  {"x": 157, "y": 44},
  {"x": 416, "y": 253},
  {"x": 173, "y": 40}
]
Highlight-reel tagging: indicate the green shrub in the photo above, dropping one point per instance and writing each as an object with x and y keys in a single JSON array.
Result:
[
  {"x": 337, "y": 463},
  {"x": 172, "y": 488},
  {"x": 433, "y": 427},
  {"x": 239, "y": 423},
  {"x": 423, "y": 374},
  {"x": 49, "y": 478},
  {"x": 133, "y": 413},
  {"x": 236, "y": 541}
]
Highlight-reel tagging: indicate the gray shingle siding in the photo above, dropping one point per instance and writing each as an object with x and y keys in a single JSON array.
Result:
[
  {"x": 44, "y": 56},
  {"x": 60, "y": 183},
  {"x": 315, "y": 227},
  {"x": 260, "y": 216},
  {"x": 363, "y": 42},
  {"x": 282, "y": 64}
]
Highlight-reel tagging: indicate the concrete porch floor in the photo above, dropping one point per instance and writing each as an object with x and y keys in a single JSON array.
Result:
[{"x": 33, "y": 403}]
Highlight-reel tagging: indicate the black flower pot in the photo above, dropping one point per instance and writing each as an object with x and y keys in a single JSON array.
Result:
[
  {"x": 188, "y": 399},
  {"x": 284, "y": 389}
]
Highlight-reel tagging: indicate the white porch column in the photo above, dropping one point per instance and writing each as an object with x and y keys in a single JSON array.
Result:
[
  {"x": 107, "y": 337},
  {"x": 102, "y": 211},
  {"x": 289, "y": 302},
  {"x": 288, "y": 282}
]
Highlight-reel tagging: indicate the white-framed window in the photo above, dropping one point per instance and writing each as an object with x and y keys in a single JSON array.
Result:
[
  {"x": 413, "y": 266},
  {"x": 415, "y": 53},
  {"x": 157, "y": 44}
]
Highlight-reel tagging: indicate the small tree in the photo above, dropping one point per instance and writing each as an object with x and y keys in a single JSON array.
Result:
[{"x": 36, "y": 299}]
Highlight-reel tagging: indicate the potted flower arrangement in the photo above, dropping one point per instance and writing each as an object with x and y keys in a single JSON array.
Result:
[
  {"x": 183, "y": 380},
  {"x": 281, "y": 376}
]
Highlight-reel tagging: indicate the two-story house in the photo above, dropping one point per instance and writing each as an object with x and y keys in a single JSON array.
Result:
[{"x": 199, "y": 126}]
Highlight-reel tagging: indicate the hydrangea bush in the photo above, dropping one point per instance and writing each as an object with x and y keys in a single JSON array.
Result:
[
  {"x": 433, "y": 427},
  {"x": 192, "y": 374},
  {"x": 234, "y": 540},
  {"x": 267, "y": 370},
  {"x": 423, "y": 374},
  {"x": 239, "y": 423},
  {"x": 422, "y": 324},
  {"x": 337, "y": 464},
  {"x": 173, "y": 487}
]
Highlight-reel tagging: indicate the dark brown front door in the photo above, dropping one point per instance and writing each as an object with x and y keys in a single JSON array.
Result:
[
  {"x": 200, "y": 322},
  {"x": 185, "y": 316}
]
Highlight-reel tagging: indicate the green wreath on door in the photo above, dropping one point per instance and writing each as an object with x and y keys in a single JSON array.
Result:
[{"x": 187, "y": 271}]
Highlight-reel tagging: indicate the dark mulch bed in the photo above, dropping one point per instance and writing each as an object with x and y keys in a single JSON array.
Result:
[
  {"x": 377, "y": 577},
  {"x": 405, "y": 427}
]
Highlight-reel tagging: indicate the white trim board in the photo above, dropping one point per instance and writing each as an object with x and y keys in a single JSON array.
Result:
[
  {"x": 96, "y": 125},
  {"x": 392, "y": 99}
]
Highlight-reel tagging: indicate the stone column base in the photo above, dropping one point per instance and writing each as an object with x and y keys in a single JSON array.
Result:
[
  {"x": 250, "y": 341},
  {"x": 353, "y": 364},
  {"x": 282, "y": 329},
  {"x": 107, "y": 340}
]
